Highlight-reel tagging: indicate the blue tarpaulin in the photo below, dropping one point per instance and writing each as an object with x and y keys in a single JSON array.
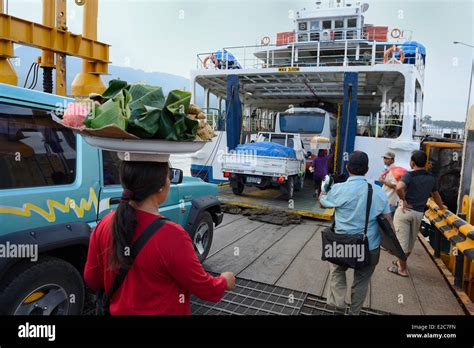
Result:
[
  {"x": 410, "y": 48},
  {"x": 266, "y": 149}
]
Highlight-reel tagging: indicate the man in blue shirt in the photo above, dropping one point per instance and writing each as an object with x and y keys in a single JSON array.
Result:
[{"x": 350, "y": 202}]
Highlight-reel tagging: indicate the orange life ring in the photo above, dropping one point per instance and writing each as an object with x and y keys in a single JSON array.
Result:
[
  {"x": 214, "y": 60},
  {"x": 265, "y": 41},
  {"x": 396, "y": 33},
  {"x": 391, "y": 51}
]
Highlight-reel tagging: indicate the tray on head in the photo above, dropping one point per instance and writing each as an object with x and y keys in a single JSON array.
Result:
[{"x": 146, "y": 146}]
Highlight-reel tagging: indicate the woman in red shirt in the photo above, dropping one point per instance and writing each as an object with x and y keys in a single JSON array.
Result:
[{"x": 167, "y": 270}]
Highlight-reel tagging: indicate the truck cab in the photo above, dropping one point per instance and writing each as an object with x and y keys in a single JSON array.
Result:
[{"x": 54, "y": 189}]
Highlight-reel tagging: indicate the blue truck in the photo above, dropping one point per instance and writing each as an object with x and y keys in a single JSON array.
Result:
[{"x": 54, "y": 188}]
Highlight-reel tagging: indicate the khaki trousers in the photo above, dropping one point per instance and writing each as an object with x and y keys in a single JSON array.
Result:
[
  {"x": 338, "y": 287},
  {"x": 407, "y": 225}
]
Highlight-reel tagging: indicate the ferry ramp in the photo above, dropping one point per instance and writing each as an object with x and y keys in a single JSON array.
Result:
[{"x": 273, "y": 262}]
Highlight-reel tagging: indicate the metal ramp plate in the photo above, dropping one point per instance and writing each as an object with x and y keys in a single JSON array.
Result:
[
  {"x": 254, "y": 298},
  {"x": 303, "y": 204}
]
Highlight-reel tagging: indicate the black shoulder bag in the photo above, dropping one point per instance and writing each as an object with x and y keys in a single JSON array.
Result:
[
  {"x": 103, "y": 299},
  {"x": 348, "y": 250}
]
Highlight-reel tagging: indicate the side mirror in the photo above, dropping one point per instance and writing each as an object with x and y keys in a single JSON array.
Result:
[{"x": 176, "y": 176}]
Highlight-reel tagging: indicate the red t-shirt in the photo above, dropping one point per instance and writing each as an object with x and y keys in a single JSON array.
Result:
[{"x": 162, "y": 276}]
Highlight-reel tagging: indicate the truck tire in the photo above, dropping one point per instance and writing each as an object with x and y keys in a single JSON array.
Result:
[
  {"x": 202, "y": 234},
  {"x": 49, "y": 287},
  {"x": 299, "y": 183},
  {"x": 238, "y": 188},
  {"x": 288, "y": 189}
]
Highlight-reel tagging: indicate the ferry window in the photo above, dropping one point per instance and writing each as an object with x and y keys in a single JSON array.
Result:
[
  {"x": 302, "y": 123},
  {"x": 110, "y": 168},
  {"x": 314, "y": 25},
  {"x": 34, "y": 150},
  {"x": 327, "y": 24},
  {"x": 352, "y": 23},
  {"x": 339, "y": 24},
  {"x": 303, "y": 26}
]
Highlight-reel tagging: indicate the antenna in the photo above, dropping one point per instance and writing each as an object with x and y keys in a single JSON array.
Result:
[{"x": 364, "y": 7}]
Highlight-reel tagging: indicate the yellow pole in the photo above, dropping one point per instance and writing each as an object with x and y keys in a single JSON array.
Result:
[
  {"x": 7, "y": 72},
  {"x": 61, "y": 24},
  {"x": 47, "y": 57},
  {"x": 89, "y": 80}
]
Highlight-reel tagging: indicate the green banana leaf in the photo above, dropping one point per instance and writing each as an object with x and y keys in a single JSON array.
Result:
[
  {"x": 145, "y": 126},
  {"x": 174, "y": 124},
  {"x": 110, "y": 113},
  {"x": 144, "y": 111},
  {"x": 115, "y": 87}
]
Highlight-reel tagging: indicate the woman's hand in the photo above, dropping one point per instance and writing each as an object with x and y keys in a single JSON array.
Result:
[{"x": 229, "y": 276}]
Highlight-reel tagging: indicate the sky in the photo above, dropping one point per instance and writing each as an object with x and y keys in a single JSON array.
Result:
[{"x": 166, "y": 35}]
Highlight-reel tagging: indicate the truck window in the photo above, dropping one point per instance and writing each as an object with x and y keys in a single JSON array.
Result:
[
  {"x": 34, "y": 150},
  {"x": 110, "y": 168},
  {"x": 303, "y": 123},
  {"x": 281, "y": 139}
]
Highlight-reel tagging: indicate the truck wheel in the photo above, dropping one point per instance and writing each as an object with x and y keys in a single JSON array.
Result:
[
  {"x": 299, "y": 183},
  {"x": 238, "y": 189},
  {"x": 49, "y": 287},
  {"x": 288, "y": 189},
  {"x": 202, "y": 234}
]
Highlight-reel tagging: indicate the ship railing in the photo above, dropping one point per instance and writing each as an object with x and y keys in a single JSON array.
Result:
[
  {"x": 310, "y": 54},
  {"x": 451, "y": 241}
]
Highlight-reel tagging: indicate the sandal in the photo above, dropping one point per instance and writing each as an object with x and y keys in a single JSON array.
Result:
[
  {"x": 394, "y": 270},
  {"x": 395, "y": 262}
]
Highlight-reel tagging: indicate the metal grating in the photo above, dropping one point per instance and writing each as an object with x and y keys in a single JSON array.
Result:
[
  {"x": 316, "y": 305},
  {"x": 254, "y": 298}
]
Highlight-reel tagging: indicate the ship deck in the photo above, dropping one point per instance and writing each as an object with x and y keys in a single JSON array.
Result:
[
  {"x": 289, "y": 257},
  {"x": 303, "y": 203}
]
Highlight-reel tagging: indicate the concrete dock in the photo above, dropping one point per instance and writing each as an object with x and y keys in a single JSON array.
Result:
[{"x": 290, "y": 257}]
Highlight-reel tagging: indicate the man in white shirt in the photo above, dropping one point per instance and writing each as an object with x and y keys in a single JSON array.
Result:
[{"x": 389, "y": 181}]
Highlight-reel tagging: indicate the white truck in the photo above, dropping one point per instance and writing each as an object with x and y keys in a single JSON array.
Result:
[{"x": 249, "y": 169}]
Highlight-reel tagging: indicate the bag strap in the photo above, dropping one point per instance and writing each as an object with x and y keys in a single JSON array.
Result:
[
  {"x": 367, "y": 211},
  {"x": 135, "y": 249}
]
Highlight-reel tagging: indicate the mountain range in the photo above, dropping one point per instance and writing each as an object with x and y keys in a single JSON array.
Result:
[{"x": 27, "y": 55}]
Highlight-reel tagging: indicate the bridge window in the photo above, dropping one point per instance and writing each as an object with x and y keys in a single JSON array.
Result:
[
  {"x": 352, "y": 23},
  {"x": 303, "y": 26},
  {"x": 34, "y": 150},
  {"x": 327, "y": 24},
  {"x": 314, "y": 25}
]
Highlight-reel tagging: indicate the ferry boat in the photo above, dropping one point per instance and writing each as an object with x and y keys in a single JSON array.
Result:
[{"x": 370, "y": 76}]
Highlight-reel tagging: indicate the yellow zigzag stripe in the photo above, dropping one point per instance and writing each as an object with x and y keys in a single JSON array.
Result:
[{"x": 50, "y": 216}]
